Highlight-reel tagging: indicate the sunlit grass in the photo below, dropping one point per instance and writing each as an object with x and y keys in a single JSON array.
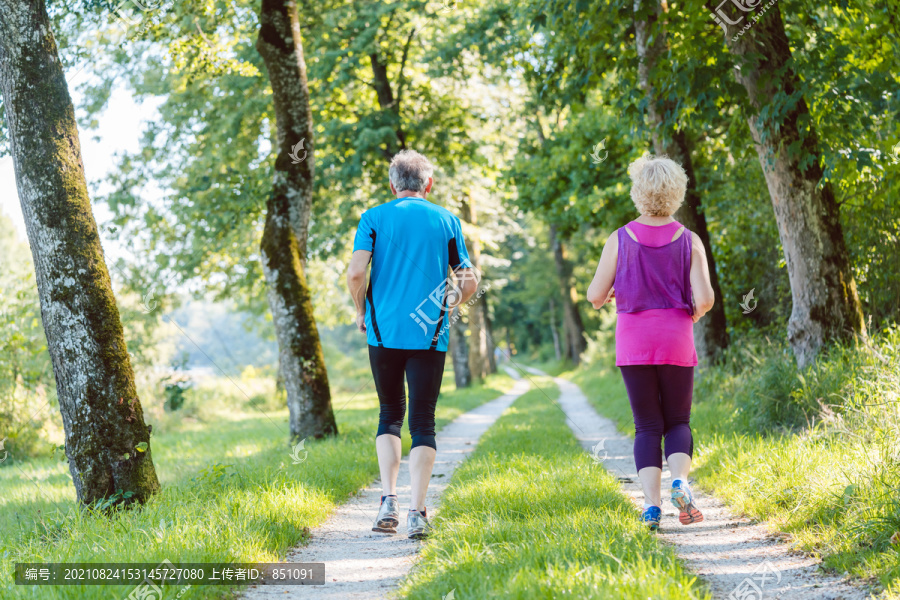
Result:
[
  {"x": 254, "y": 510},
  {"x": 530, "y": 515}
]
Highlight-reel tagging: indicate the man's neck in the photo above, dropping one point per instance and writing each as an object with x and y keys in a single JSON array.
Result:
[{"x": 409, "y": 194}]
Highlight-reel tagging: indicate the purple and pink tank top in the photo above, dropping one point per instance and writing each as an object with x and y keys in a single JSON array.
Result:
[{"x": 653, "y": 297}]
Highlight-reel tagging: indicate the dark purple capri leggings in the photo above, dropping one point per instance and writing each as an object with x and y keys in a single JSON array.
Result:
[{"x": 660, "y": 397}]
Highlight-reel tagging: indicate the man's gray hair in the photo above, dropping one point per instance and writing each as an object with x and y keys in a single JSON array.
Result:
[{"x": 410, "y": 171}]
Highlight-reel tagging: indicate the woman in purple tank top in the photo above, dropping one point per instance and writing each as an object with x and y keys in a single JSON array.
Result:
[{"x": 656, "y": 271}]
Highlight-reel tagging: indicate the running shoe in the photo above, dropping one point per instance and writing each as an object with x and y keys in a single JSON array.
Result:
[
  {"x": 683, "y": 500},
  {"x": 388, "y": 515},
  {"x": 417, "y": 525},
  {"x": 651, "y": 516}
]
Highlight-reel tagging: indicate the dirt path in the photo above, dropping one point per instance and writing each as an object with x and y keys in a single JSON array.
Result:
[
  {"x": 738, "y": 559},
  {"x": 360, "y": 563}
]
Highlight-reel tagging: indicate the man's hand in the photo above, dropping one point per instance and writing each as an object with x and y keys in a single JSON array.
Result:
[{"x": 361, "y": 322}]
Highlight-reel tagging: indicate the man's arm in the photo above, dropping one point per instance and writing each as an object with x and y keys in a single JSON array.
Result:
[
  {"x": 467, "y": 281},
  {"x": 356, "y": 282}
]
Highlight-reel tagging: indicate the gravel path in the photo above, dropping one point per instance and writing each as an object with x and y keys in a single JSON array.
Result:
[
  {"x": 739, "y": 560},
  {"x": 360, "y": 563}
]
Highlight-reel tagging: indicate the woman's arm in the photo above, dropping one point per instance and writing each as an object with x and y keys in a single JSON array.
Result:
[
  {"x": 700, "y": 283},
  {"x": 600, "y": 291}
]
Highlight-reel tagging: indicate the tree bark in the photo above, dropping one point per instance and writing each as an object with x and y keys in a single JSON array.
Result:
[
  {"x": 459, "y": 352},
  {"x": 107, "y": 441},
  {"x": 480, "y": 346},
  {"x": 489, "y": 328},
  {"x": 283, "y": 245},
  {"x": 710, "y": 333},
  {"x": 826, "y": 306},
  {"x": 574, "y": 328},
  {"x": 387, "y": 100},
  {"x": 553, "y": 331}
]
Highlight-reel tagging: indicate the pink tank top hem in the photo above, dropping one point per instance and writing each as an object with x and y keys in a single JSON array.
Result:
[{"x": 654, "y": 336}]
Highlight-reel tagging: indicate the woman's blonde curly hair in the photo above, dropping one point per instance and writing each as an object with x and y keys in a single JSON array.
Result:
[{"x": 658, "y": 184}]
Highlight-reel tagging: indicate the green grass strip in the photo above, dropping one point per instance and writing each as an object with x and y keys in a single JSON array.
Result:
[
  {"x": 530, "y": 515},
  {"x": 250, "y": 511}
]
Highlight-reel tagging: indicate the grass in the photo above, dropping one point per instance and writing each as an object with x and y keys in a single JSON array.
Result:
[
  {"x": 530, "y": 515},
  {"x": 230, "y": 491},
  {"x": 815, "y": 454}
]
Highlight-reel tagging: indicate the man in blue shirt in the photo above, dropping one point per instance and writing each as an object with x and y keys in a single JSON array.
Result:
[{"x": 413, "y": 245}]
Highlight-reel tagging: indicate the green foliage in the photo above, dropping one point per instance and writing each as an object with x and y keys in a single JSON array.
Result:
[
  {"x": 215, "y": 475},
  {"x": 119, "y": 498},
  {"x": 28, "y": 418}
]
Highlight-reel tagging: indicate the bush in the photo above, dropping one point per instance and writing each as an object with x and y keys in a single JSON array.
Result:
[{"x": 771, "y": 394}]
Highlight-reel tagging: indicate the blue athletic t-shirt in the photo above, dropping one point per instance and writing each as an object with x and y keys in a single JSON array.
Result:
[{"x": 413, "y": 242}]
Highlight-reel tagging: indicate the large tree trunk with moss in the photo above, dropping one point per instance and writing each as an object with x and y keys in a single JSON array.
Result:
[
  {"x": 107, "y": 441},
  {"x": 572, "y": 324},
  {"x": 479, "y": 337},
  {"x": 459, "y": 351},
  {"x": 825, "y": 302},
  {"x": 283, "y": 246},
  {"x": 710, "y": 333}
]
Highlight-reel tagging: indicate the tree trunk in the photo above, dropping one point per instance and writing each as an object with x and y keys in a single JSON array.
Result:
[
  {"x": 825, "y": 303},
  {"x": 710, "y": 333},
  {"x": 107, "y": 441},
  {"x": 489, "y": 328},
  {"x": 479, "y": 349},
  {"x": 387, "y": 100},
  {"x": 553, "y": 331},
  {"x": 283, "y": 245},
  {"x": 459, "y": 352},
  {"x": 575, "y": 342}
]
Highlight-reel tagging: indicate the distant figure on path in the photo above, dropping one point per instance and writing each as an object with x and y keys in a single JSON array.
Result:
[
  {"x": 405, "y": 313},
  {"x": 656, "y": 271}
]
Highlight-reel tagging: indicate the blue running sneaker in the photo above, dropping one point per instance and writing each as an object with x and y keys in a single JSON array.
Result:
[
  {"x": 683, "y": 500},
  {"x": 651, "y": 517}
]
